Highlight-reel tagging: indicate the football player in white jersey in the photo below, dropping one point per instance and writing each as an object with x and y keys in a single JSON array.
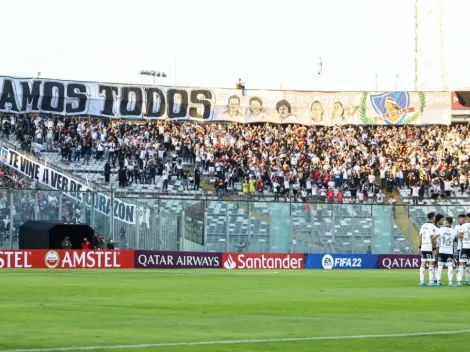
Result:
[
  {"x": 427, "y": 236},
  {"x": 460, "y": 221},
  {"x": 464, "y": 259},
  {"x": 447, "y": 236}
]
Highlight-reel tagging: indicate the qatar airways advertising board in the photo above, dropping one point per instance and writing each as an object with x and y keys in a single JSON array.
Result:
[{"x": 177, "y": 260}]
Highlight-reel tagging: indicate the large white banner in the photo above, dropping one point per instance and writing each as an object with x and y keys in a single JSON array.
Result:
[
  {"x": 25, "y": 95},
  {"x": 124, "y": 212}
]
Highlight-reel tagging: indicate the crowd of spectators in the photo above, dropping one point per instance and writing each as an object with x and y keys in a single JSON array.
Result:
[
  {"x": 12, "y": 179},
  {"x": 293, "y": 162}
]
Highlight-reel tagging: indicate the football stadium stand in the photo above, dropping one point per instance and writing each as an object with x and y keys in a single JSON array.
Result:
[{"x": 243, "y": 187}]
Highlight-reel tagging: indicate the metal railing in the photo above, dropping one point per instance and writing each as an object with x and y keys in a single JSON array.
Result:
[{"x": 219, "y": 225}]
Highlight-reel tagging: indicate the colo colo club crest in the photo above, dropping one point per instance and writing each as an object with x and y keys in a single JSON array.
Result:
[{"x": 392, "y": 108}]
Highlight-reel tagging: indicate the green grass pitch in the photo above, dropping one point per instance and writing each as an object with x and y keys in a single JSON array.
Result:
[{"x": 59, "y": 309}]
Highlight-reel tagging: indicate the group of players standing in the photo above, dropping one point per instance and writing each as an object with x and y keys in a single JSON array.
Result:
[{"x": 450, "y": 245}]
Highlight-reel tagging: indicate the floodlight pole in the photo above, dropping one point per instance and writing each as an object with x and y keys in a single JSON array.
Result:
[
  {"x": 416, "y": 44},
  {"x": 429, "y": 13},
  {"x": 444, "y": 86}
]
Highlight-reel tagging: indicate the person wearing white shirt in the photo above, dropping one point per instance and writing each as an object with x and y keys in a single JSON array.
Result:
[
  {"x": 168, "y": 168},
  {"x": 161, "y": 154},
  {"x": 427, "y": 236},
  {"x": 99, "y": 151},
  {"x": 415, "y": 193},
  {"x": 458, "y": 227},
  {"x": 447, "y": 236},
  {"x": 382, "y": 177},
  {"x": 52, "y": 200},
  {"x": 143, "y": 153},
  {"x": 464, "y": 259},
  {"x": 179, "y": 170},
  {"x": 276, "y": 189},
  {"x": 337, "y": 177},
  {"x": 331, "y": 184},
  {"x": 323, "y": 195},
  {"x": 293, "y": 161},
  {"x": 106, "y": 149},
  {"x": 286, "y": 187},
  {"x": 50, "y": 139},
  {"x": 303, "y": 195},
  {"x": 165, "y": 176},
  {"x": 380, "y": 197},
  {"x": 39, "y": 136},
  {"x": 308, "y": 185},
  {"x": 111, "y": 147},
  {"x": 360, "y": 196},
  {"x": 448, "y": 188},
  {"x": 315, "y": 192}
]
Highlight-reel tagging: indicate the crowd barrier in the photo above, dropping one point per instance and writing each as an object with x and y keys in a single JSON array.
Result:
[{"x": 136, "y": 259}]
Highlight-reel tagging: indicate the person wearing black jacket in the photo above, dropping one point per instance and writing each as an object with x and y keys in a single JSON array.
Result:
[
  {"x": 122, "y": 177},
  {"x": 100, "y": 245},
  {"x": 137, "y": 174},
  {"x": 152, "y": 171},
  {"x": 353, "y": 189},
  {"x": 197, "y": 178},
  {"x": 66, "y": 243},
  {"x": 110, "y": 245},
  {"x": 107, "y": 171}
]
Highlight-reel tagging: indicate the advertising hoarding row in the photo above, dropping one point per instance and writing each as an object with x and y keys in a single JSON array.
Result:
[{"x": 130, "y": 259}]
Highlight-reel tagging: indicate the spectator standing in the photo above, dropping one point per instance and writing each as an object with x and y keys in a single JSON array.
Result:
[
  {"x": 107, "y": 171},
  {"x": 122, "y": 238},
  {"x": 197, "y": 178},
  {"x": 415, "y": 190},
  {"x": 185, "y": 177},
  {"x": 86, "y": 244},
  {"x": 122, "y": 177}
]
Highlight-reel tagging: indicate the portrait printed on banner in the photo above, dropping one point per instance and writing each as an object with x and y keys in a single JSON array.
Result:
[
  {"x": 256, "y": 113},
  {"x": 316, "y": 112},
  {"x": 233, "y": 112},
  {"x": 342, "y": 116},
  {"x": 284, "y": 110}
]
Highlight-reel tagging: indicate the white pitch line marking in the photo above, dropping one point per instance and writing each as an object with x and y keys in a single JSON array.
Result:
[{"x": 237, "y": 342}]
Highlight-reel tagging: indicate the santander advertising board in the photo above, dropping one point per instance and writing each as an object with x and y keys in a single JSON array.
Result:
[{"x": 262, "y": 261}]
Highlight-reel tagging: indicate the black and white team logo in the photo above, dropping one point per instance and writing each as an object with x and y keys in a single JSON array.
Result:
[{"x": 327, "y": 262}]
